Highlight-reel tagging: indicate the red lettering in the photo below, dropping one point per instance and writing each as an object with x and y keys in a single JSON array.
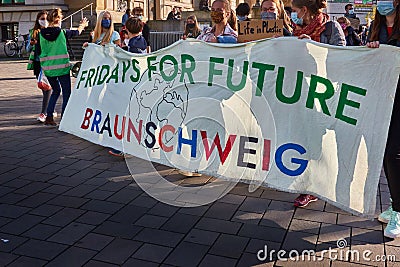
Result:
[
  {"x": 132, "y": 128},
  {"x": 119, "y": 136},
  {"x": 266, "y": 155},
  {"x": 86, "y": 120},
  {"x": 165, "y": 128},
  {"x": 222, "y": 154}
]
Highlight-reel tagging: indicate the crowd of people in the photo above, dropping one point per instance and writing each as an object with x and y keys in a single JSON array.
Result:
[{"x": 304, "y": 20}]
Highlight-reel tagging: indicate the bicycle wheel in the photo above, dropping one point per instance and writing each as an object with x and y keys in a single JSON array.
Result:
[{"x": 10, "y": 49}]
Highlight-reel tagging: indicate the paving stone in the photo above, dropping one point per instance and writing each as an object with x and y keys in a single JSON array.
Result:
[
  {"x": 102, "y": 206},
  {"x": 20, "y": 225},
  {"x": 262, "y": 232},
  {"x": 243, "y": 190},
  {"x": 370, "y": 236},
  {"x": 278, "y": 213},
  {"x": 66, "y": 171},
  {"x": 248, "y": 259},
  {"x": 45, "y": 210},
  {"x": 93, "y": 263},
  {"x": 247, "y": 217},
  {"x": 57, "y": 189},
  {"x": 144, "y": 201},
  {"x": 316, "y": 216},
  {"x": 223, "y": 211},
  {"x": 73, "y": 256},
  {"x": 71, "y": 233},
  {"x": 66, "y": 181},
  {"x": 99, "y": 194},
  {"x": 252, "y": 204},
  {"x": 229, "y": 246},
  {"x": 117, "y": 229},
  {"x": 299, "y": 241},
  {"x": 38, "y": 177},
  {"x": 118, "y": 251},
  {"x": 6, "y": 258},
  {"x": 201, "y": 237},
  {"x": 217, "y": 261},
  {"x": 40, "y": 249},
  {"x": 94, "y": 241},
  {"x": 114, "y": 186},
  {"x": 5, "y": 190},
  {"x": 92, "y": 217},
  {"x": 358, "y": 222},
  {"x": 32, "y": 188},
  {"x": 41, "y": 231},
  {"x": 187, "y": 254},
  {"x": 12, "y": 211},
  {"x": 270, "y": 193},
  {"x": 67, "y": 201},
  {"x": 159, "y": 237},
  {"x": 80, "y": 190},
  {"x": 256, "y": 245},
  {"x": 232, "y": 199},
  {"x": 181, "y": 223},
  {"x": 12, "y": 198},
  {"x": 17, "y": 183},
  {"x": 36, "y": 200},
  {"x": 392, "y": 253},
  {"x": 96, "y": 181},
  {"x": 129, "y": 214},
  {"x": 141, "y": 263},
  {"x": 27, "y": 262},
  {"x": 162, "y": 209},
  {"x": 197, "y": 211},
  {"x": 154, "y": 253},
  {"x": 332, "y": 233},
  {"x": 216, "y": 225},
  {"x": 124, "y": 196},
  {"x": 298, "y": 225},
  {"x": 4, "y": 221},
  {"x": 151, "y": 221},
  {"x": 375, "y": 250},
  {"x": 10, "y": 242},
  {"x": 63, "y": 217}
]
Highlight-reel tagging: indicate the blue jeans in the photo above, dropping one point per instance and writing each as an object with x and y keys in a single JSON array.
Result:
[{"x": 57, "y": 83}]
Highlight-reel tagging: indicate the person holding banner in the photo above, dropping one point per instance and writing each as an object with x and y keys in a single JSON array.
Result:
[
  {"x": 104, "y": 32},
  {"x": 275, "y": 9},
  {"x": 34, "y": 60},
  {"x": 225, "y": 24},
  {"x": 54, "y": 59},
  {"x": 192, "y": 28},
  {"x": 385, "y": 29},
  {"x": 312, "y": 23}
]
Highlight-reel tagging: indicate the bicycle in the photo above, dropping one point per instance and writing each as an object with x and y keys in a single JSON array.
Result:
[{"x": 12, "y": 48}]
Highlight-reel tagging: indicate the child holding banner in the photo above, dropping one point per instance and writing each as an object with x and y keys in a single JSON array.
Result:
[
  {"x": 225, "y": 24},
  {"x": 312, "y": 23},
  {"x": 385, "y": 29}
]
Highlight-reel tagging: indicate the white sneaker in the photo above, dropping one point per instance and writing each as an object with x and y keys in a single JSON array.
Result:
[
  {"x": 41, "y": 118},
  {"x": 189, "y": 174},
  {"x": 392, "y": 230},
  {"x": 384, "y": 217}
]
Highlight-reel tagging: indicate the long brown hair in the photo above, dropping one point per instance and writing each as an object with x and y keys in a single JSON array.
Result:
[
  {"x": 232, "y": 20},
  {"x": 282, "y": 13},
  {"x": 37, "y": 27},
  {"x": 53, "y": 15},
  {"x": 196, "y": 31},
  {"x": 313, "y": 6},
  {"x": 98, "y": 29},
  {"x": 380, "y": 21}
]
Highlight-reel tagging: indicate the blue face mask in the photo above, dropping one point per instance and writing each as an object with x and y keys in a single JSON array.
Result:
[
  {"x": 241, "y": 18},
  {"x": 351, "y": 11},
  {"x": 385, "y": 8},
  {"x": 106, "y": 23},
  {"x": 266, "y": 15},
  {"x": 295, "y": 19}
]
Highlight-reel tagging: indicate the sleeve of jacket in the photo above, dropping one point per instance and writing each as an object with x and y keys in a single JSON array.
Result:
[
  {"x": 370, "y": 31},
  {"x": 337, "y": 37}
]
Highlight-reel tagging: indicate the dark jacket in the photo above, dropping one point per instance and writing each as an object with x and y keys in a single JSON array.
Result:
[
  {"x": 333, "y": 34},
  {"x": 137, "y": 45},
  {"x": 352, "y": 38},
  {"x": 383, "y": 36},
  {"x": 51, "y": 34}
]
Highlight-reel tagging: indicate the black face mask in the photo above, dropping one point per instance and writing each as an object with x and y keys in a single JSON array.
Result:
[{"x": 190, "y": 25}]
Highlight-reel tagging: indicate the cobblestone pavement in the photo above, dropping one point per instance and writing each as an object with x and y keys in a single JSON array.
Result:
[{"x": 66, "y": 202}]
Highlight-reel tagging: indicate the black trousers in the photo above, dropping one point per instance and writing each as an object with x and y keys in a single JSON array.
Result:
[{"x": 391, "y": 161}]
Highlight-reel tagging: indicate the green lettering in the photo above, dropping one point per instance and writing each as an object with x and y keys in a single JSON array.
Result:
[
  {"x": 279, "y": 87},
  {"x": 343, "y": 101},
  {"x": 114, "y": 74},
  {"x": 82, "y": 78},
  {"x": 172, "y": 76},
  {"x": 136, "y": 70},
  {"x": 101, "y": 80},
  {"x": 125, "y": 66},
  {"x": 212, "y": 71},
  {"x": 322, "y": 97},
  {"x": 187, "y": 70},
  {"x": 261, "y": 75},
  {"x": 90, "y": 77},
  {"x": 242, "y": 83}
]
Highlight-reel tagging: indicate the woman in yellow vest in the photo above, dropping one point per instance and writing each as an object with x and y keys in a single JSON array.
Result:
[
  {"x": 34, "y": 61},
  {"x": 54, "y": 59}
]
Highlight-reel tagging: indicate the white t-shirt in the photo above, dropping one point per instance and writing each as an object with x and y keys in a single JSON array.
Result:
[{"x": 114, "y": 37}]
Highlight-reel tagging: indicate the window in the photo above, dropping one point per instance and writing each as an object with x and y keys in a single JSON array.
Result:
[
  {"x": 8, "y": 31},
  {"x": 12, "y": 2}
]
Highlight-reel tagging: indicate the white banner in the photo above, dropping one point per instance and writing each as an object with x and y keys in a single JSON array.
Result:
[{"x": 294, "y": 115}]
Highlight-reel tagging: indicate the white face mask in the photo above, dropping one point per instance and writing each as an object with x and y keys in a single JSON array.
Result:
[{"x": 43, "y": 23}]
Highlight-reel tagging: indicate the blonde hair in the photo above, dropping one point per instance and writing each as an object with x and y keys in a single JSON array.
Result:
[
  {"x": 53, "y": 15},
  {"x": 344, "y": 20},
  {"x": 99, "y": 29},
  {"x": 282, "y": 13}
]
